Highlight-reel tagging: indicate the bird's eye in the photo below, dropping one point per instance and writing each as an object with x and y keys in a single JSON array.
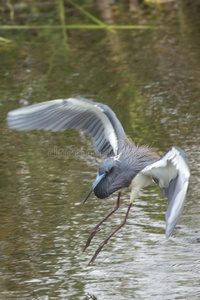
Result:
[{"x": 108, "y": 171}]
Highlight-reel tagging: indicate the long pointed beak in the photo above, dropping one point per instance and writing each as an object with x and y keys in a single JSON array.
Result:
[{"x": 97, "y": 180}]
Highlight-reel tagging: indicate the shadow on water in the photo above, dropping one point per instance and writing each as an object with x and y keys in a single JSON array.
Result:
[{"x": 150, "y": 78}]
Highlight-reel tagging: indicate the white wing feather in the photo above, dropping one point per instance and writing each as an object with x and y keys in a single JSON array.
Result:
[{"x": 172, "y": 173}]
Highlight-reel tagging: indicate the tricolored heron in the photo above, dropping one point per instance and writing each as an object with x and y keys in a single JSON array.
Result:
[{"x": 126, "y": 164}]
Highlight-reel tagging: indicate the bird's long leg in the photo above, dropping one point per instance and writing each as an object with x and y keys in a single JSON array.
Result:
[
  {"x": 108, "y": 238},
  {"x": 96, "y": 228}
]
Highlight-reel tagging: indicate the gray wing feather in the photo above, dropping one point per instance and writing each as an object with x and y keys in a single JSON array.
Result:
[
  {"x": 171, "y": 172},
  {"x": 96, "y": 119}
]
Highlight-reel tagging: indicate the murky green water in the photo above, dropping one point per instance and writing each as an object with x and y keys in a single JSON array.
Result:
[{"x": 151, "y": 79}]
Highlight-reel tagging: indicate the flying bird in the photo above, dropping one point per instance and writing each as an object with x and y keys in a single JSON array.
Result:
[{"x": 125, "y": 164}]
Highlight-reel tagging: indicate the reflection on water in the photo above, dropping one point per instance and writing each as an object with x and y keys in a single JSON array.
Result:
[{"x": 151, "y": 80}]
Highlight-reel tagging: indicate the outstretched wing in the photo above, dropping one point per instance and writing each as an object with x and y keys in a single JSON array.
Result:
[
  {"x": 171, "y": 172},
  {"x": 96, "y": 119}
]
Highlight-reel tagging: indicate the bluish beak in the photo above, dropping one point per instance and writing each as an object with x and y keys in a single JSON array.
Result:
[{"x": 97, "y": 180}]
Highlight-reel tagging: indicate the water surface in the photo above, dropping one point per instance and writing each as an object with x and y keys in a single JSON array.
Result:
[{"x": 150, "y": 78}]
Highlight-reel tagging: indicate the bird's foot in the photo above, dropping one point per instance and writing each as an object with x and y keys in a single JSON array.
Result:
[
  {"x": 110, "y": 236},
  {"x": 92, "y": 234},
  {"x": 97, "y": 252},
  {"x": 96, "y": 228}
]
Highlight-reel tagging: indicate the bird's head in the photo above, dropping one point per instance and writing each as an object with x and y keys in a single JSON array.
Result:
[{"x": 106, "y": 175}]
